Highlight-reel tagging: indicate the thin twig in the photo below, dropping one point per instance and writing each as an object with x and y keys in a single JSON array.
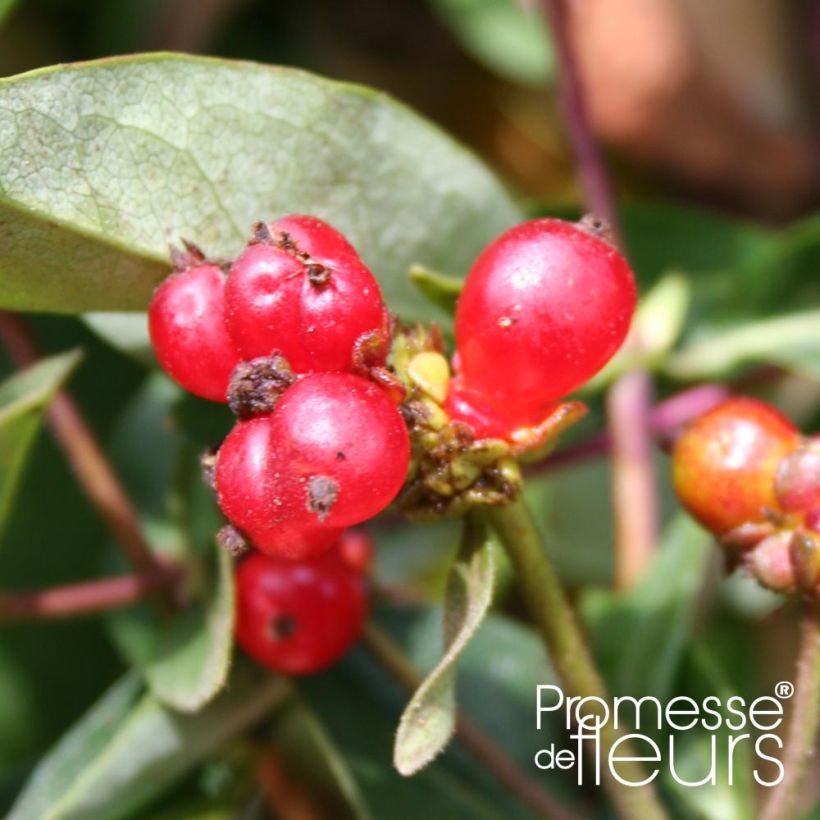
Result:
[
  {"x": 595, "y": 182},
  {"x": 393, "y": 658},
  {"x": 665, "y": 420},
  {"x": 85, "y": 598},
  {"x": 89, "y": 463},
  {"x": 629, "y": 402},
  {"x": 555, "y": 619},
  {"x": 803, "y": 725},
  {"x": 634, "y": 486}
]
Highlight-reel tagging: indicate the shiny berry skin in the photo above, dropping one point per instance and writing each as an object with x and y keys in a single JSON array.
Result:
[
  {"x": 724, "y": 464},
  {"x": 253, "y": 481},
  {"x": 543, "y": 309},
  {"x": 486, "y": 420},
  {"x": 305, "y": 293},
  {"x": 298, "y": 617},
  {"x": 347, "y": 443},
  {"x": 191, "y": 342}
]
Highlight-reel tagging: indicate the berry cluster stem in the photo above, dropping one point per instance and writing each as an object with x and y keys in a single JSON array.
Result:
[
  {"x": 484, "y": 748},
  {"x": 86, "y": 597},
  {"x": 90, "y": 466},
  {"x": 804, "y": 723},
  {"x": 553, "y": 616}
]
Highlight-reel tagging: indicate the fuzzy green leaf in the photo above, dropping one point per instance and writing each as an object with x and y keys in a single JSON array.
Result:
[
  {"x": 23, "y": 398},
  {"x": 126, "y": 751},
  {"x": 428, "y": 722},
  {"x": 103, "y": 164}
]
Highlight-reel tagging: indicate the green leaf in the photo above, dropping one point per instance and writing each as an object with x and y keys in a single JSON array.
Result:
[
  {"x": 125, "y": 155},
  {"x": 126, "y": 332},
  {"x": 358, "y": 704},
  {"x": 640, "y": 637},
  {"x": 428, "y": 722},
  {"x": 792, "y": 340},
  {"x": 502, "y": 35},
  {"x": 6, "y": 7},
  {"x": 124, "y": 753},
  {"x": 706, "y": 674},
  {"x": 191, "y": 664},
  {"x": 23, "y": 398},
  {"x": 438, "y": 288}
]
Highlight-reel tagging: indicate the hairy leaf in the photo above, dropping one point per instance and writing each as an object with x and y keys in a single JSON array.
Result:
[
  {"x": 428, "y": 721},
  {"x": 125, "y": 751},
  {"x": 103, "y": 164}
]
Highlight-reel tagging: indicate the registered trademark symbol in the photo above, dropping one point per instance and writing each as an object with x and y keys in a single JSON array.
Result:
[{"x": 784, "y": 689}]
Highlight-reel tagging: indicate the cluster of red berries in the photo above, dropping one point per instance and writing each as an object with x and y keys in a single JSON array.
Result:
[
  {"x": 294, "y": 337},
  {"x": 744, "y": 471},
  {"x": 543, "y": 309}
]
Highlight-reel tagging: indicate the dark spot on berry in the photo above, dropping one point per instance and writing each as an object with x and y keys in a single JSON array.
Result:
[
  {"x": 257, "y": 384},
  {"x": 322, "y": 494},
  {"x": 340, "y": 456},
  {"x": 282, "y": 627},
  {"x": 318, "y": 274},
  {"x": 262, "y": 234}
]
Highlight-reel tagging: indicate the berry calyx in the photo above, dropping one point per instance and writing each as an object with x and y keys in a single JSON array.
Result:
[
  {"x": 301, "y": 289},
  {"x": 347, "y": 444},
  {"x": 298, "y": 618},
  {"x": 256, "y": 488},
  {"x": 543, "y": 309},
  {"x": 725, "y": 463},
  {"x": 188, "y": 333}
]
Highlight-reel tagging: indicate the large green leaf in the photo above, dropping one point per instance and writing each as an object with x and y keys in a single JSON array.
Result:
[
  {"x": 103, "y": 164},
  {"x": 428, "y": 722},
  {"x": 126, "y": 751},
  {"x": 23, "y": 398}
]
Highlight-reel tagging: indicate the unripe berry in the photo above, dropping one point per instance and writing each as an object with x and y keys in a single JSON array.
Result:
[
  {"x": 298, "y": 618},
  {"x": 347, "y": 444},
  {"x": 771, "y": 562},
  {"x": 191, "y": 343},
  {"x": 724, "y": 464},
  {"x": 543, "y": 309},
  {"x": 303, "y": 291},
  {"x": 798, "y": 478},
  {"x": 255, "y": 486}
]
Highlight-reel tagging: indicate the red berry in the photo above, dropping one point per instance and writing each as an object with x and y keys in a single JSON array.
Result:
[
  {"x": 812, "y": 519},
  {"x": 543, "y": 309},
  {"x": 298, "y": 618},
  {"x": 306, "y": 294},
  {"x": 724, "y": 464},
  {"x": 487, "y": 420},
  {"x": 356, "y": 550},
  {"x": 253, "y": 483},
  {"x": 188, "y": 333},
  {"x": 347, "y": 443}
]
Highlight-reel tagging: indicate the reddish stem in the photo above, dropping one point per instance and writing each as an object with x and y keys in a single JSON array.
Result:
[
  {"x": 665, "y": 419},
  {"x": 86, "y": 597},
  {"x": 87, "y": 459},
  {"x": 595, "y": 181}
]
